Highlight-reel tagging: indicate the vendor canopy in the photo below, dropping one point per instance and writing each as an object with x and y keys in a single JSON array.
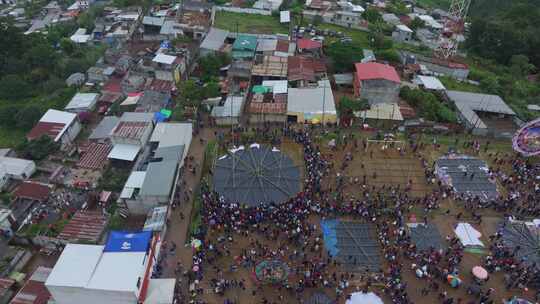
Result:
[
  {"x": 121, "y": 241},
  {"x": 256, "y": 175}
]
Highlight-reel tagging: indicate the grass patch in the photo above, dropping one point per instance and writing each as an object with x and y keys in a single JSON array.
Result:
[
  {"x": 249, "y": 23},
  {"x": 453, "y": 84},
  {"x": 11, "y": 137},
  {"x": 444, "y": 4}
]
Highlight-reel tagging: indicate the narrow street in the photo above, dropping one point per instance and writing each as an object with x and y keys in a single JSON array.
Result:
[{"x": 178, "y": 227}]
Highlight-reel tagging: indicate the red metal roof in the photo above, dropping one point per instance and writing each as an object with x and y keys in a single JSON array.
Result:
[
  {"x": 113, "y": 85},
  {"x": 34, "y": 290},
  {"x": 51, "y": 129},
  {"x": 109, "y": 97},
  {"x": 33, "y": 191},
  {"x": 304, "y": 68},
  {"x": 267, "y": 108},
  {"x": 130, "y": 129},
  {"x": 282, "y": 46},
  {"x": 308, "y": 44},
  {"x": 374, "y": 70},
  {"x": 160, "y": 85},
  {"x": 84, "y": 226},
  {"x": 95, "y": 156}
]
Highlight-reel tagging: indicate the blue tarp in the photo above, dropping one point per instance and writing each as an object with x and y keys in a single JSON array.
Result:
[
  {"x": 159, "y": 117},
  {"x": 330, "y": 236},
  {"x": 122, "y": 241}
]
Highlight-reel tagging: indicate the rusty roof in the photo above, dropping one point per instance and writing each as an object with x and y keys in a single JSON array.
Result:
[
  {"x": 268, "y": 104},
  {"x": 130, "y": 129},
  {"x": 160, "y": 85},
  {"x": 282, "y": 46},
  {"x": 32, "y": 190},
  {"x": 34, "y": 290},
  {"x": 304, "y": 68},
  {"x": 271, "y": 66},
  {"x": 84, "y": 226},
  {"x": 51, "y": 129},
  {"x": 95, "y": 156}
]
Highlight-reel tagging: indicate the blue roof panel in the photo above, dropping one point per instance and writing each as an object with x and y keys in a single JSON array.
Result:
[{"x": 122, "y": 241}]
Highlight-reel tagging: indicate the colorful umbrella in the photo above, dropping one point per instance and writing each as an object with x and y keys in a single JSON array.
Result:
[
  {"x": 195, "y": 243},
  {"x": 453, "y": 280},
  {"x": 480, "y": 273}
]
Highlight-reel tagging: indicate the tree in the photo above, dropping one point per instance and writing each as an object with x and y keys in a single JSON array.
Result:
[
  {"x": 7, "y": 115},
  {"x": 67, "y": 46},
  {"x": 28, "y": 117},
  {"x": 417, "y": 23},
  {"x": 190, "y": 92},
  {"x": 39, "y": 148},
  {"x": 491, "y": 85},
  {"x": 520, "y": 66},
  {"x": 343, "y": 56},
  {"x": 317, "y": 20},
  {"x": 372, "y": 15},
  {"x": 13, "y": 87}
]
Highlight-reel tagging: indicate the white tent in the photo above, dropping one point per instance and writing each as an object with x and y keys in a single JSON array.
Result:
[
  {"x": 364, "y": 298},
  {"x": 468, "y": 235}
]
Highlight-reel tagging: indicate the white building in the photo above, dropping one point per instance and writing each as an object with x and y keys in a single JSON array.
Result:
[
  {"x": 312, "y": 105},
  {"x": 156, "y": 184},
  {"x": 62, "y": 127},
  {"x": 15, "y": 168},
  {"x": 402, "y": 33},
  {"x": 130, "y": 135},
  {"x": 117, "y": 273},
  {"x": 82, "y": 102}
]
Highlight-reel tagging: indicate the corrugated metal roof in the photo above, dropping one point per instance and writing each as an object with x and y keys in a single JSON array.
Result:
[
  {"x": 304, "y": 68},
  {"x": 272, "y": 66},
  {"x": 104, "y": 128},
  {"x": 130, "y": 129},
  {"x": 34, "y": 290},
  {"x": 85, "y": 226},
  {"x": 214, "y": 39},
  {"x": 33, "y": 190},
  {"x": 95, "y": 157},
  {"x": 374, "y": 70}
]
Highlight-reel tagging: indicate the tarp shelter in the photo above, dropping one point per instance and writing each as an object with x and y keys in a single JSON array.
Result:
[
  {"x": 426, "y": 237},
  {"x": 256, "y": 175},
  {"x": 466, "y": 174},
  {"x": 159, "y": 117},
  {"x": 353, "y": 243},
  {"x": 166, "y": 113},
  {"x": 319, "y": 298},
  {"x": 524, "y": 238},
  {"x": 468, "y": 235},
  {"x": 364, "y": 298},
  {"x": 120, "y": 241}
]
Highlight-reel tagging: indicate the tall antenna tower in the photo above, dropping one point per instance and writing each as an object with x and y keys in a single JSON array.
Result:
[{"x": 454, "y": 27}]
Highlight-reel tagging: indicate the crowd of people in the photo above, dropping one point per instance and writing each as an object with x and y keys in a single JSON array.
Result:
[{"x": 285, "y": 233}]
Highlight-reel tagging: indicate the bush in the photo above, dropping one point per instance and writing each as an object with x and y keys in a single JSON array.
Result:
[
  {"x": 390, "y": 55},
  {"x": 428, "y": 105},
  {"x": 38, "y": 149}
]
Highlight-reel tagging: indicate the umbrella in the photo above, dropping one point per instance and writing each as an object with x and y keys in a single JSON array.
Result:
[
  {"x": 195, "y": 243},
  {"x": 195, "y": 268},
  {"x": 453, "y": 280},
  {"x": 480, "y": 273}
]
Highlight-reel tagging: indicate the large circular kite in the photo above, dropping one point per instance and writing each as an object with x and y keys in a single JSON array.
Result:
[
  {"x": 527, "y": 139},
  {"x": 256, "y": 175}
]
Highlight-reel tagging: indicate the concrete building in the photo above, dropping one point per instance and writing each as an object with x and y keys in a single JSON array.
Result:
[
  {"x": 15, "y": 168},
  {"x": 484, "y": 114},
  {"x": 229, "y": 112},
  {"x": 153, "y": 181},
  {"x": 376, "y": 82},
  {"x": 117, "y": 273},
  {"x": 130, "y": 135},
  {"x": 82, "y": 102},
  {"x": 312, "y": 104},
  {"x": 391, "y": 19},
  {"x": 61, "y": 127},
  {"x": 402, "y": 33}
]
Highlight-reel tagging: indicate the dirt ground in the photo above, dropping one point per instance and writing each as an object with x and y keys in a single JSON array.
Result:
[{"x": 391, "y": 168}]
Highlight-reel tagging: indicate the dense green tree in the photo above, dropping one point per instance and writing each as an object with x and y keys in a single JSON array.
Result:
[
  {"x": 39, "y": 148},
  {"x": 28, "y": 117},
  {"x": 372, "y": 15},
  {"x": 8, "y": 115},
  {"x": 520, "y": 65},
  {"x": 67, "y": 46},
  {"x": 14, "y": 87},
  {"x": 417, "y": 23},
  {"x": 343, "y": 56}
]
